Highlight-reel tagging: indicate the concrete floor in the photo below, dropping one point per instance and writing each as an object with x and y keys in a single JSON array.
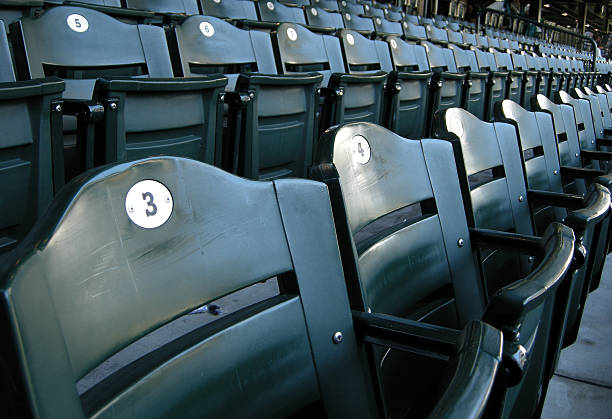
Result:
[{"x": 582, "y": 385}]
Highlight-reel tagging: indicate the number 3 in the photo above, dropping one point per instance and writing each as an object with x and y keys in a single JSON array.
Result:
[{"x": 150, "y": 203}]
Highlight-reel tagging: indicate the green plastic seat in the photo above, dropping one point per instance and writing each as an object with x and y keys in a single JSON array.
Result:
[
  {"x": 414, "y": 32},
  {"x": 273, "y": 11},
  {"x": 436, "y": 35},
  {"x": 229, "y": 9},
  {"x": 419, "y": 262},
  {"x": 272, "y": 116},
  {"x": 31, "y": 163},
  {"x": 408, "y": 114},
  {"x": 598, "y": 115},
  {"x": 331, "y": 5},
  {"x": 448, "y": 84},
  {"x": 363, "y": 25},
  {"x": 351, "y": 90},
  {"x": 321, "y": 19},
  {"x": 295, "y": 353},
  {"x": 543, "y": 79},
  {"x": 119, "y": 83},
  {"x": 604, "y": 108},
  {"x": 353, "y": 8},
  {"x": 475, "y": 90},
  {"x": 371, "y": 11},
  {"x": 187, "y": 7},
  {"x": 530, "y": 79},
  {"x": 497, "y": 83},
  {"x": 514, "y": 86},
  {"x": 384, "y": 27}
]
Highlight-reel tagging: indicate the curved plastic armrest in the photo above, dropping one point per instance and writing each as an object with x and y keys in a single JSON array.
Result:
[
  {"x": 31, "y": 88},
  {"x": 404, "y": 75},
  {"x": 581, "y": 173},
  {"x": 555, "y": 199},
  {"x": 280, "y": 80},
  {"x": 475, "y": 369},
  {"x": 447, "y": 75},
  {"x": 377, "y": 77},
  {"x": 531, "y": 73},
  {"x": 127, "y": 84},
  {"x": 320, "y": 29},
  {"x": 503, "y": 74},
  {"x": 494, "y": 239},
  {"x": 478, "y": 74}
]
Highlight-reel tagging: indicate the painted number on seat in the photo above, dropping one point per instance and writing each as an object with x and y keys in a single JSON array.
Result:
[
  {"x": 77, "y": 23},
  {"x": 149, "y": 204},
  {"x": 207, "y": 29},
  {"x": 291, "y": 34},
  {"x": 350, "y": 39},
  {"x": 361, "y": 149}
]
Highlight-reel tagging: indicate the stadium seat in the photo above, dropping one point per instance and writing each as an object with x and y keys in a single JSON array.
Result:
[
  {"x": 321, "y": 19},
  {"x": 119, "y": 83},
  {"x": 363, "y": 25},
  {"x": 530, "y": 79},
  {"x": 414, "y": 32},
  {"x": 497, "y": 83},
  {"x": 230, "y": 9},
  {"x": 475, "y": 91},
  {"x": 295, "y": 353},
  {"x": 350, "y": 94},
  {"x": 31, "y": 154},
  {"x": 514, "y": 86},
  {"x": 187, "y": 7},
  {"x": 273, "y": 11},
  {"x": 419, "y": 263},
  {"x": 271, "y": 126},
  {"x": 408, "y": 111}
]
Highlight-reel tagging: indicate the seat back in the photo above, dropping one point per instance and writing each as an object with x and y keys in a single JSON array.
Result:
[
  {"x": 584, "y": 122},
  {"x": 32, "y": 168},
  {"x": 330, "y": 5},
  {"x": 449, "y": 83},
  {"x": 413, "y": 75},
  {"x": 229, "y": 9},
  {"x": 475, "y": 99},
  {"x": 492, "y": 184},
  {"x": 603, "y": 107},
  {"x": 435, "y": 34},
  {"x": 364, "y": 25},
  {"x": 417, "y": 197},
  {"x": 414, "y": 31},
  {"x": 352, "y": 8},
  {"x": 596, "y": 112},
  {"x": 188, "y": 7},
  {"x": 529, "y": 79},
  {"x": 121, "y": 289},
  {"x": 320, "y": 18},
  {"x": 383, "y": 26},
  {"x": 503, "y": 60},
  {"x": 273, "y": 11}
]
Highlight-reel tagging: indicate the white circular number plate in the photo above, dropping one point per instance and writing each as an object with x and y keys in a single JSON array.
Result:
[
  {"x": 270, "y": 5},
  {"x": 291, "y": 34},
  {"x": 207, "y": 29},
  {"x": 350, "y": 39},
  {"x": 149, "y": 204},
  {"x": 361, "y": 149},
  {"x": 405, "y": 25},
  {"x": 393, "y": 44},
  {"x": 378, "y": 21},
  {"x": 314, "y": 11},
  {"x": 347, "y": 16},
  {"x": 367, "y": 8},
  {"x": 77, "y": 23},
  {"x": 456, "y": 126}
]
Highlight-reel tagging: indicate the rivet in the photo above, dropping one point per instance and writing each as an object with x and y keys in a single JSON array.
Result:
[
  {"x": 531, "y": 259},
  {"x": 337, "y": 337},
  {"x": 521, "y": 198},
  {"x": 577, "y": 155},
  {"x": 113, "y": 106},
  {"x": 167, "y": 199},
  {"x": 252, "y": 95},
  {"x": 592, "y": 141},
  {"x": 555, "y": 172},
  {"x": 222, "y": 97},
  {"x": 58, "y": 108},
  {"x": 131, "y": 208},
  {"x": 460, "y": 242}
]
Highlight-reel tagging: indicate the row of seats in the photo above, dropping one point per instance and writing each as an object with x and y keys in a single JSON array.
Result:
[{"x": 110, "y": 112}]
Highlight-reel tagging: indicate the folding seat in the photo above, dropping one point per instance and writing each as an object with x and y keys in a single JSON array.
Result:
[
  {"x": 329, "y": 5},
  {"x": 299, "y": 3},
  {"x": 604, "y": 106},
  {"x": 409, "y": 110},
  {"x": 271, "y": 125},
  {"x": 351, "y": 92},
  {"x": 482, "y": 42},
  {"x": 504, "y": 45},
  {"x": 119, "y": 84},
  {"x": 395, "y": 16},
  {"x": 293, "y": 353},
  {"x": 558, "y": 76},
  {"x": 454, "y": 26},
  {"x": 412, "y": 19},
  {"x": 447, "y": 84},
  {"x": 540, "y": 155},
  {"x": 607, "y": 93},
  {"x": 414, "y": 32},
  {"x": 320, "y": 19},
  {"x": 426, "y": 21},
  {"x": 352, "y": 8},
  {"x": 384, "y": 27},
  {"x": 370, "y": 11},
  {"x": 230, "y": 9},
  {"x": 273, "y": 11},
  {"x": 469, "y": 39},
  {"x": 514, "y": 86},
  {"x": 554, "y": 77},
  {"x": 188, "y": 7},
  {"x": 364, "y": 25},
  {"x": 601, "y": 118},
  {"x": 493, "y": 43},
  {"x": 31, "y": 160},
  {"x": 436, "y": 35},
  {"x": 475, "y": 90},
  {"x": 498, "y": 80},
  {"x": 455, "y": 38},
  {"x": 535, "y": 63},
  {"x": 530, "y": 79},
  {"x": 419, "y": 263}
]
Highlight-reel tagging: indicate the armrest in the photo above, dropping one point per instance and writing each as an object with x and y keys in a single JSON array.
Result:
[
  {"x": 417, "y": 75},
  {"x": 598, "y": 155},
  {"x": 503, "y": 74},
  {"x": 476, "y": 365},
  {"x": 30, "y": 88},
  {"x": 126, "y": 84},
  {"x": 89, "y": 110},
  {"x": 510, "y": 305},
  {"x": 581, "y": 173},
  {"x": 447, "y": 75},
  {"x": 555, "y": 199},
  {"x": 280, "y": 79},
  {"x": 493, "y": 239},
  {"x": 377, "y": 77},
  {"x": 595, "y": 205},
  {"x": 478, "y": 75}
]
